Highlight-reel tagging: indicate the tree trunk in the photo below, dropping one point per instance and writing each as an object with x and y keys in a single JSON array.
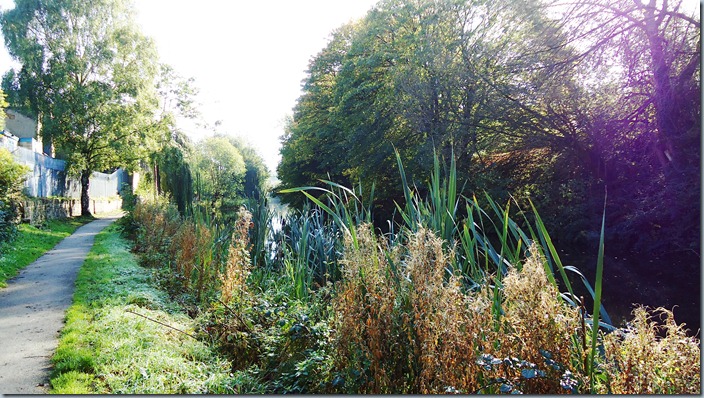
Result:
[
  {"x": 85, "y": 200},
  {"x": 665, "y": 107}
]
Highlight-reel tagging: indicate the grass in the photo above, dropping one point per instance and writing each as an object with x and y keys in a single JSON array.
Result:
[
  {"x": 124, "y": 336},
  {"x": 31, "y": 242}
]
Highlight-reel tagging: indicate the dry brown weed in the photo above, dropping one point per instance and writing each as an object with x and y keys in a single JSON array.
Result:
[{"x": 638, "y": 361}]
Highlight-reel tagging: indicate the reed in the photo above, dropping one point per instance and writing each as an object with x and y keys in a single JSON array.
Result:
[{"x": 467, "y": 301}]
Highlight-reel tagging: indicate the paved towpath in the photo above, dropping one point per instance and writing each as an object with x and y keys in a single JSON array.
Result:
[{"x": 32, "y": 309}]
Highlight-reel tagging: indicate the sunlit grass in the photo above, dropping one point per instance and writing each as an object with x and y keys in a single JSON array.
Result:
[
  {"x": 31, "y": 242},
  {"x": 110, "y": 346}
]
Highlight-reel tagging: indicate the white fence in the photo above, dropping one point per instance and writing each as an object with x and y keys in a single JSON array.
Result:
[
  {"x": 47, "y": 176},
  {"x": 101, "y": 185}
]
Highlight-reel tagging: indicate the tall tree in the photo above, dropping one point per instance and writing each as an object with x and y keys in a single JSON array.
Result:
[
  {"x": 174, "y": 172},
  {"x": 170, "y": 169},
  {"x": 647, "y": 55},
  {"x": 89, "y": 72},
  {"x": 653, "y": 49},
  {"x": 421, "y": 76},
  {"x": 311, "y": 144}
]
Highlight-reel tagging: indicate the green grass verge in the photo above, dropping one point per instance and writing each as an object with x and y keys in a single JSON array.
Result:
[
  {"x": 31, "y": 242},
  {"x": 106, "y": 348}
]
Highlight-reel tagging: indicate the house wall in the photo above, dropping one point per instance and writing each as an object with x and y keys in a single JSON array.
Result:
[
  {"x": 8, "y": 141},
  {"x": 20, "y": 125},
  {"x": 52, "y": 194}
]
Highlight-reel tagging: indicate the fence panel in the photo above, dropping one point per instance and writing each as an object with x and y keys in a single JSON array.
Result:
[{"x": 47, "y": 177}]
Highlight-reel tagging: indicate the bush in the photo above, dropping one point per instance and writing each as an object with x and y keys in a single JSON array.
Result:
[
  {"x": 639, "y": 361},
  {"x": 157, "y": 223},
  {"x": 406, "y": 325},
  {"x": 12, "y": 176}
]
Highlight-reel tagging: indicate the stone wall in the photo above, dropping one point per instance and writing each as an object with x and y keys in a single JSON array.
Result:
[{"x": 37, "y": 211}]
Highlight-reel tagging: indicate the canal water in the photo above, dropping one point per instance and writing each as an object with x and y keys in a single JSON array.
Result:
[{"x": 671, "y": 281}]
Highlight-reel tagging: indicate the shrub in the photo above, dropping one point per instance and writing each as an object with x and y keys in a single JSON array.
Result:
[
  {"x": 157, "y": 223},
  {"x": 639, "y": 361},
  {"x": 12, "y": 176},
  {"x": 405, "y": 324},
  {"x": 229, "y": 320},
  {"x": 372, "y": 349},
  {"x": 238, "y": 265},
  {"x": 539, "y": 330},
  {"x": 191, "y": 251}
]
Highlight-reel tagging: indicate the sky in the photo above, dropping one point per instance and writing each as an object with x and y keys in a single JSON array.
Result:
[{"x": 248, "y": 58}]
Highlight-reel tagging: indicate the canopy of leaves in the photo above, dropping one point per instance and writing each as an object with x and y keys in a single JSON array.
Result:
[
  {"x": 88, "y": 73},
  {"x": 552, "y": 100}
]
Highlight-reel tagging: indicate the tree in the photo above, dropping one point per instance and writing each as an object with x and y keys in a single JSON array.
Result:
[
  {"x": 642, "y": 59},
  {"x": 170, "y": 162},
  {"x": 256, "y": 175},
  {"x": 3, "y": 105},
  {"x": 535, "y": 100},
  {"x": 447, "y": 76},
  {"x": 654, "y": 49},
  {"x": 88, "y": 72},
  {"x": 220, "y": 168},
  {"x": 312, "y": 140},
  {"x": 173, "y": 172}
]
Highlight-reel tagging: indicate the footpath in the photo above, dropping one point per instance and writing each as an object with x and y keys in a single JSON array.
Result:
[{"x": 32, "y": 309}]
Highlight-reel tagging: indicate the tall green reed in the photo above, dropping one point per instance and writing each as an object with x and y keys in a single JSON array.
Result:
[
  {"x": 487, "y": 243},
  {"x": 311, "y": 251},
  {"x": 313, "y": 238},
  {"x": 262, "y": 233},
  {"x": 597, "y": 302}
]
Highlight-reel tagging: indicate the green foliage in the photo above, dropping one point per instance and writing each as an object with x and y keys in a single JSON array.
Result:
[
  {"x": 18, "y": 97},
  {"x": 171, "y": 163},
  {"x": 221, "y": 169},
  {"x": 503, "y": 89},
  {"x": 262, "y": 234},
  {"x": 254, "y": 184},
  {"x": 263, "y": 329},
  {"x": 12, "y": 176},
  {"x": 88, "y": 72},
  {"x": 401, "y": 316},
  {"x": 156, "y": 224},
  {"x": 176, "y": 177},
  {"x": 418, "y": 77}
]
